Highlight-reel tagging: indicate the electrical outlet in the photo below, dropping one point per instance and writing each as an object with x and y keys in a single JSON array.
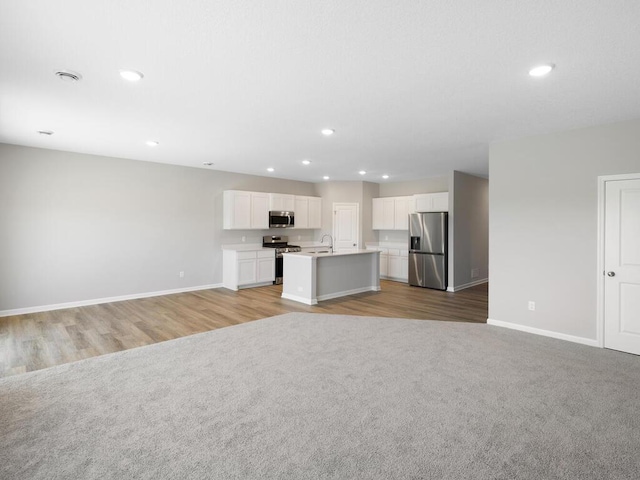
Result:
[
  {"x": 386, "y": 237},
  {"x": 532, "y": 305},
  {"x": 244, "y": 239},
  {"x": 181, "y": 274},
  {"x": 299, "y": 237}
]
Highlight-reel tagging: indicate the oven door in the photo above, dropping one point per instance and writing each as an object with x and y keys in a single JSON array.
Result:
[{"x": 279, "y": 269}]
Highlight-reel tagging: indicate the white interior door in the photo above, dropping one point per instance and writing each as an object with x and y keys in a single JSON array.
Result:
[
  {"x": 622, "y": 266},
  {"x": 345, "y": 227}
]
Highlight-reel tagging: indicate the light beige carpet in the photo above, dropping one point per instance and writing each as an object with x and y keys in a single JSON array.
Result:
[{"x": 330, "y": 397}]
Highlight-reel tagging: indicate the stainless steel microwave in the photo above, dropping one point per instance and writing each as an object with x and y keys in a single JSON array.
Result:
[{"x": 281, "y": 219}]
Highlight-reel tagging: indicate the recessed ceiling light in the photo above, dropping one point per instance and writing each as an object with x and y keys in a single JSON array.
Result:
[
  {"x": 306, "y": 162},
  {"x": 131, "y": 75},
  {"x": 541, "y": 70},
  {"x": 46, "y": 133},
  {"x": 152, "y": 143},
  {"x": 271, "y": 169},
  {"x": 326, "y": 177},
  {"x": 362, "y": 172},
  {"x": 68, "y": 76},
  {"x": 328, "y": 131},
  {"x": 385, "y": 176},
  {"x": 208, "y": 164}
]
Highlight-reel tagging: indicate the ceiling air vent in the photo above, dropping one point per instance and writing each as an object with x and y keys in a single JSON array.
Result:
[{"x": 68, "y": 76}]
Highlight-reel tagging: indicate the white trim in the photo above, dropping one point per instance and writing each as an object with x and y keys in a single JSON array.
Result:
[
  {"x": 329, "y": 296},
  {"x": 602, "y": 180},
  {"x": 97, "y": 301},
  {"x": 467, "y": 285},
  {"x": 546, "y": 333},
  {"x": 296, "y": 298}
]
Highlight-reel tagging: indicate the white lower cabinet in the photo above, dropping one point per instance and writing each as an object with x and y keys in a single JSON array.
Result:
[
  {"x": 394, "y": 263},
  {"x": 248, "y": 268},
  {"x": 384, "y": 263}
]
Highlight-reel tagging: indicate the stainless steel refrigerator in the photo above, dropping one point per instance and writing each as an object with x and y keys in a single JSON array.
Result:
[{"x": 428, "y": 250}]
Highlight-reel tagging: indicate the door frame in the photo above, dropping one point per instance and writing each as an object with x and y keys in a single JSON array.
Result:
[
  {"x": 333, "y": 219},
  {"x": 602, "y": 182}
]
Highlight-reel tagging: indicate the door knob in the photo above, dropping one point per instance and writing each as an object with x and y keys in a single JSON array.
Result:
[{"x": 611, "y": 274}]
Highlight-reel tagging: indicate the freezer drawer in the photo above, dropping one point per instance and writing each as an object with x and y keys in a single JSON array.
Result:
[{"x": 427, "y": 270}]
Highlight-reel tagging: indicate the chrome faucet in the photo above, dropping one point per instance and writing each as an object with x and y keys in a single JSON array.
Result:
[{"x": 330, "y": 238}]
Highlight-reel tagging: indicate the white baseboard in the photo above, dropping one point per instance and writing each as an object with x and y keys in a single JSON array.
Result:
[
  {"x": 457, "y": 288},
  {"x": 295, "y": 298},
  {"x": 97, "y": 301},
  {"x": 329, "y": 296},
  {"x": 545, "y": 333}
]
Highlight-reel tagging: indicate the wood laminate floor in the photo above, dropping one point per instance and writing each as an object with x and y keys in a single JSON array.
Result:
[{"x": 40, "y": 340}]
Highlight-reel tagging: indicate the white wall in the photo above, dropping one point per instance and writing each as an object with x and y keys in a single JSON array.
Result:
[
  {"x": 424, "y": 185},
  {"x": 543, "y": 224},
  {"x": 77, "y": 227},
  {"x": 469, "y": 230},
  {"x": 348, "y": 192}
]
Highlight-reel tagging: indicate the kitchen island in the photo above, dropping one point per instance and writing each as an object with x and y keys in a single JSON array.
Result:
[{"x": 313, "y": 277}]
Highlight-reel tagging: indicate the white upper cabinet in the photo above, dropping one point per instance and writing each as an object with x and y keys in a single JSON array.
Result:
[
  {"x": 315, "y": 212},
  {"x": 307, "y": 212},
  {"x": 384, "y": 210},
  {"x": 441, "y": 202},
  {"x": 401, "y": 217},
  {"x": 245, "y": 210},
  {"x": 282, "y": 202},
  {"x": 250, "y": 210},
  {"x": 432, "y": 202},
  {"x": 392, "y": 213}
]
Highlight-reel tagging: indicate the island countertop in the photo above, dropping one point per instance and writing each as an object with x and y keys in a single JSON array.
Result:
[{"x": 329, "y": 254}]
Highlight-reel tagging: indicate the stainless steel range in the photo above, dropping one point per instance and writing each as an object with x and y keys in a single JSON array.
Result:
[{"x": 280, "y": 243}]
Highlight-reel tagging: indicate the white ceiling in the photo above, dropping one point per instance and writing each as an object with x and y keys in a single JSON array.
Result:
[{"x": 413, "y": 88}]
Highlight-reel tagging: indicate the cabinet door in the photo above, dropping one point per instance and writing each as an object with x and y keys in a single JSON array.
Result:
[
  {"x": 384, "y": 260},
  {"x": 260, "y": 210},
  {"x": 441, "y": 202},
  {"x": 266, "y": 269},
  {"x": 301, "y": 212},
  {"x": 281, "y": 202},
  {"x": 401, "y": 216},
  {"x": 388, "y": 213},
  {"x": 246, "y": 271},
  {"x": 395, "y": 266},
  {"x": 238, "y": 209},
  {"x": 315, "y": 212},
  {"x": 404, "y": 265},
  {"x": 423, "y": 202},
  {"x": 432, "y": 202}
]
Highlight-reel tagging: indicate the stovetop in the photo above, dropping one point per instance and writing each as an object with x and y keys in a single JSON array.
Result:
[{"x": 280, "y": 243}]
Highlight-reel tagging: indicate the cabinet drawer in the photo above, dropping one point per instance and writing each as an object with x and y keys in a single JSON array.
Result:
[
  {"x": 246, "y": 255},
  {"x": 266, "y": 253},
  {"x": 404, "y": 253},
  {"x": 394, "y": 251}
]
